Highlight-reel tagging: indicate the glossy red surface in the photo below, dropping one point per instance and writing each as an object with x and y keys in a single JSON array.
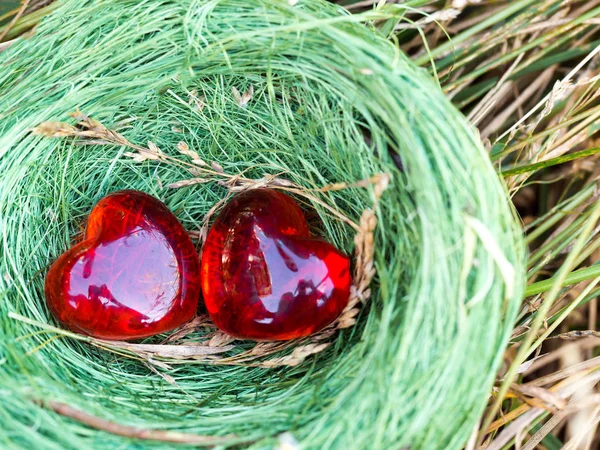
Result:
[
  {"x": 135, "y": 274},
  {"x": 264, "y": 277}
]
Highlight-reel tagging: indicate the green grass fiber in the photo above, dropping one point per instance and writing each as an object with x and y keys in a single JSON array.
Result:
[{"x": 417, "y": 369}]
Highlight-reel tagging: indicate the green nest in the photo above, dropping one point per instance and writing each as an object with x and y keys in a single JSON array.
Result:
[{"x": 332, "y": 101}]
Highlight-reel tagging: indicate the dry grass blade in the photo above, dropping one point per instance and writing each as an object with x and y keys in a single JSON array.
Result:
[
  {"x": 220, "y": 339},
  {"x": 547, "y": 397},
  {"x": 243, "y": 99},
  {"x": 91, "y": 131},
  {"x": 175, "y": 352},
  {"x": 189, "y": 182},
  {"x": 193, "y": 326},
  {"x": 297, "y": 356},
  {"x": 184, "y": 149},
  {"x": 513, "y": 429},
  {"x": 576, "y": 334},
  {"x": 196, "y": 100},
  {"x": 217, "y": 167},
  {"x": 55, "y": 129}
]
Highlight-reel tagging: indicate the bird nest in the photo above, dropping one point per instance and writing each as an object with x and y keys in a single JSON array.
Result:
[{"x": 191, "y": 101}]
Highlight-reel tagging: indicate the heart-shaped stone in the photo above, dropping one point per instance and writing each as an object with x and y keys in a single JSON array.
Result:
[
  {"x": 264, "y": 277},
  {"x": 135, "y": 274}
]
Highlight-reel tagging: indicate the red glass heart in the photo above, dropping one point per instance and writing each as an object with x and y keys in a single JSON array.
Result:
[
  {"x": 264, "y": 277},
  {"x": 135, "y": 274}
]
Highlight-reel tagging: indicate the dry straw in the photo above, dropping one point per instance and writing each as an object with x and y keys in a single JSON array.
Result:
[{"x": 193, "y": 100}]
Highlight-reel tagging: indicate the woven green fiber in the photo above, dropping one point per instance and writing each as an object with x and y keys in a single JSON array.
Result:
[{"x": 416, "y": 370}]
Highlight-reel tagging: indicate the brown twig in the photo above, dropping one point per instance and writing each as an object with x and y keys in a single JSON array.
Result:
[{"x": 134, "y": 432}]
